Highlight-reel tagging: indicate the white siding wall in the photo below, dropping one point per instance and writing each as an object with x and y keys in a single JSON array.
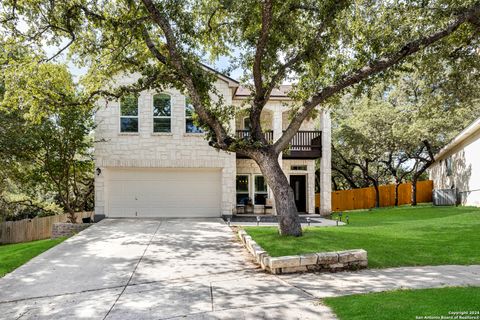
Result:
[{"x": 465, "y": 170}]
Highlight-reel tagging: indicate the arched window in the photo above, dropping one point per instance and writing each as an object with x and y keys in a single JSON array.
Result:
[{"x": 162, "y": 113}]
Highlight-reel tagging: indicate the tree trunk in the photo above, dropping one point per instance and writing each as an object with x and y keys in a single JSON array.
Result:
[
  {"x": 397, "y": 184},
  {"x": 288, "y": 218},
  {"x": 414, "y": 191},
  {"x": 377, "y": 195}
]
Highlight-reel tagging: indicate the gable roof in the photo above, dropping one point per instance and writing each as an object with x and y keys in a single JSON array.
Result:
[
  {"x": 473, "y": 128},
  {"x": 239, "y": 92},
  {"x": 280, "y": 93},
  {"x": 231, "y": 82}
]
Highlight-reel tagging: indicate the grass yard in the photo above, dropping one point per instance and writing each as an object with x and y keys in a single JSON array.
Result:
[
  {"x": 408, "y": 304},
  {"x": 402, "y": 236},
  {"x": 14, "y": 255}
]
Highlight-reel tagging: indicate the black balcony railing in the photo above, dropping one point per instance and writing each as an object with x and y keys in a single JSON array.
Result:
[
  {"x": 246, "y": 133},
  {"x": 304, "y": 144}
]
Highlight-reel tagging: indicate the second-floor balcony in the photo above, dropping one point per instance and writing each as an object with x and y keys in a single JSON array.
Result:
[{"x": 304, "y": 144}]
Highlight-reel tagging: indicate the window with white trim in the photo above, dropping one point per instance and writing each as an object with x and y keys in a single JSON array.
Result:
[
  {"x": 162, "y": 113},
  {"x": 260, "y": 188},
  {"x": 243, "y": 188},
  {"x": 190, "y": 126},
  {"x": 129, "y": 113}
]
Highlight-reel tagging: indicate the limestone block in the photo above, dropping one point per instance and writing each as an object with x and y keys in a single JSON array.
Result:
[
  {"x": 241, "y": 234},
  {"x": 336, "y": 266},
  {"x": 308, "y": 259},
  {"x": 294, "y": 269},
  {"x": 325, "y": 258},
  {"x": 352, "y": 255},
  {"x": 284, "y": 262}
]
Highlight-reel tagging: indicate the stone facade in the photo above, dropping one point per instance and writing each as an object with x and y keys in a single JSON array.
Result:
[
  {"x": 248, "y": 166},
  {"x": 64, "y": 229},
  {"x": 178, "y": 149},
  {"x": 147, "y": 149}
]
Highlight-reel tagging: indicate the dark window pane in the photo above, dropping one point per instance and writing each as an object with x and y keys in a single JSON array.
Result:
[
  {"x": 242, "y": 198},
  {"x": 161, "y": 125},
  {"x": 260, "y": 198},
  {"x": 161, "y": 105},
  {"x": 242, "y": 183},
  {"x": 191, "y": 128},
  {"x": 129, "y": 106},
  {"x": 246, "y": 124},
  {"x": 189, "y": 110},
  {"x": 129, "y": 124},
  {"x": 260, "y": 184}
]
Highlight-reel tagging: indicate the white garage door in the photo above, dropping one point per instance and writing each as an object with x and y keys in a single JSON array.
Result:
[{"x": 164, "y": 192}]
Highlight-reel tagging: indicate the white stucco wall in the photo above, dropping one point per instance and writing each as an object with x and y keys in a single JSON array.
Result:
[{"x": 465, "y": 170}]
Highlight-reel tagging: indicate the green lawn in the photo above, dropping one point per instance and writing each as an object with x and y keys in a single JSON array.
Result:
[
  {"x": 408, "y": 304},
  {"x": 402, "y": 236},
  {"x": 13, "y": 256}
]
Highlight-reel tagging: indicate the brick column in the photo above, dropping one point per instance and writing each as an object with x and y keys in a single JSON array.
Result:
[{"x": 326, "y": 164}]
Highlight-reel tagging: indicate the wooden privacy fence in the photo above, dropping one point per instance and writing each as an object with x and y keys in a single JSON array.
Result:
[
  {"x": 33, "y": 229},
  {"x": 364, "y": 198}
]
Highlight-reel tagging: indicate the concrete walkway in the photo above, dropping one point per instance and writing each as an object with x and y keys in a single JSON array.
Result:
[{"x": 193, "y": 269}]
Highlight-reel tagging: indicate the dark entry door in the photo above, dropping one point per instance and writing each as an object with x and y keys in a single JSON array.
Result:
[{"x": 299, "y": 186}]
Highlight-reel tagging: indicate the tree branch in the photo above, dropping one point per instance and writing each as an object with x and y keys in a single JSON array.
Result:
[
  {"x": 373, "y": 68},
  {"x": 267, "y": 11},
  {"x": 151, "y": 46}
]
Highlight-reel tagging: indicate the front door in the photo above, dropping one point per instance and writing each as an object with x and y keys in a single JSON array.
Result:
[{"x": 299, "y": 186}]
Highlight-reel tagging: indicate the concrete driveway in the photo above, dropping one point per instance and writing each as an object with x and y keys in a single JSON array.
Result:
[{"x": 152, "y": 269}]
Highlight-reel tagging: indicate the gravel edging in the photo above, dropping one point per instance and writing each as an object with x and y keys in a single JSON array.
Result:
[{"x": 321, "y": 261}]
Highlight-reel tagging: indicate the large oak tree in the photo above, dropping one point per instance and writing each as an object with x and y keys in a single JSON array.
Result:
[{"x": 324, "y": 46}]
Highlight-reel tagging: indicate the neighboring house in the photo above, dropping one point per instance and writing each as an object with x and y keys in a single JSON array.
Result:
[
  {"x": 457, "y": 166},
  {"x": 152, "y": 161}
]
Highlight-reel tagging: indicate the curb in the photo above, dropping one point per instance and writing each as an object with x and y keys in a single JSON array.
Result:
[{"x": 321, "y": 261}]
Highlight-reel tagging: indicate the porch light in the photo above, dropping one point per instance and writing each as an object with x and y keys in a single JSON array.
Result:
[
  {"x": 258, "y": 220},
  {"x": 308, "y": 221},
  {"x": 98, "y": 171}
]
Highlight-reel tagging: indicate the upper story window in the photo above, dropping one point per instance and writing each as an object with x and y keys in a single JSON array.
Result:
[
  {"x": 190, "y": 127},
  {"x": 129, "y": 113},
  {"x": 162, "y": 113},
  {"x": 246, "y": 123}
]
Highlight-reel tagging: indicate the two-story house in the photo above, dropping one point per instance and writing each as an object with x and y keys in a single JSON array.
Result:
[{"x": 152, "y": 161}]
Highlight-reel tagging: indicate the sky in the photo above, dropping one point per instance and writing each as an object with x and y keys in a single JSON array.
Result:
[{"x": 221, "y": 64}]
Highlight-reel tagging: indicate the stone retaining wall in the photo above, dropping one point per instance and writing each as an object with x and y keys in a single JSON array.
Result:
[
  {"x": 65, "y": 229},
  {"x": 322, "y": 261}
]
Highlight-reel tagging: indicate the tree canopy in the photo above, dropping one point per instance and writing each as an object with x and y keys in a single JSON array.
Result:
[{"x": 323, "y": 46}]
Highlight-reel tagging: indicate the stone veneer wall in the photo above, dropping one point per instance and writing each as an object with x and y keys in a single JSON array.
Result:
[
  {"x": 64, "y": 229},
  {"x": 248, "y": 166},
  {"x": 146, "y": 149}
]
